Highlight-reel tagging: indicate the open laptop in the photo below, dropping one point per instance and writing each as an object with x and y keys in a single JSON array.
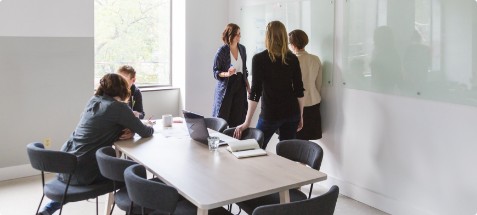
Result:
[{"x": 197, "y": 128}]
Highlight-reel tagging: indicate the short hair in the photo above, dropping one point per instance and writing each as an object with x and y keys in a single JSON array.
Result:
[
  {"x": 129, "y": 70},
  {"x": 298, "y": 38},
  {"x": 229, "y": 33},
  {"x": 276, "y": 41},
  {"x": 113, "y": 85}
]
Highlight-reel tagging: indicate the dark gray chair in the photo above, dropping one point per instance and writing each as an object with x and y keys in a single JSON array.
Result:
[
  {"x": 63, "y": 162},
  {"x": 113, "y": 168},
  {"x": 320, "y": 205},
  {"x": 249, "y": 133},
  {"x": 159, "y": 196},
  {"x": 302, "y": 151},
  {"x": 216, "y": 124}
]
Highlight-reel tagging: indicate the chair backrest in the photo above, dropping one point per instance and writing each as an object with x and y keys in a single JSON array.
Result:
[
  {"x": 302, "y": 151},
  {"x": 216, "y": 123},
  {"x": 322, "y": 205},
  {"x": 110, "y": 166},
  {"x": 249, "y": 133},
  {"x": 150, "y": 194},
  {"x": 51, "y": 161}
]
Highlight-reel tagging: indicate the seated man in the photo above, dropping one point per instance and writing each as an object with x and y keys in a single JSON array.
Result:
[{"x": 135, "y": 101}]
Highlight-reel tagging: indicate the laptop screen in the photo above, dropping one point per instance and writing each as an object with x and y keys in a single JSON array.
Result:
[{"x": 196, "y": 126}]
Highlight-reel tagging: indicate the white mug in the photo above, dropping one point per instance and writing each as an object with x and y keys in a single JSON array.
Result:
[{"x": 167, "y": 120}]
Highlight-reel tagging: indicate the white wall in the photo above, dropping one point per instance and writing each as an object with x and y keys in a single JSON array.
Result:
[
  {"x": 46, "y": 65},
  {"x": 46, "y": 18},
  {"x": 205, "y": 21}
]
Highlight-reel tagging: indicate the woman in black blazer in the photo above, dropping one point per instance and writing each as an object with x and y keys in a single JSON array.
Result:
[{"x": 230, "y": 70}]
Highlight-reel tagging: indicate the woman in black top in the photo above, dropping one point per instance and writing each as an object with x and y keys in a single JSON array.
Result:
[
  {"x": 230, "y": 70},
  {"x": 276, "y": 78}
]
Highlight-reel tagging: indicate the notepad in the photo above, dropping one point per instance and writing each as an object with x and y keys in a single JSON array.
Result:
[{"x": 245, "y": 148}]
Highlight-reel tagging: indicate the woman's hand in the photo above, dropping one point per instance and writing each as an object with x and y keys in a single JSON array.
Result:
[
  {"x": 231, "y": 71},
  {"x": 239, "y": 129},
  {"x": 300, "y": 124},
  {"x": 127, "y": 134}
]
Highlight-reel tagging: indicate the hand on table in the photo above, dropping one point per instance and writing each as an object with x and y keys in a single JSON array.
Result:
[{"x": 127, "y": 134}]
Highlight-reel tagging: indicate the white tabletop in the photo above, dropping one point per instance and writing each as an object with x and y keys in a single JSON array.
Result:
[{"x": 213, "y": 179}]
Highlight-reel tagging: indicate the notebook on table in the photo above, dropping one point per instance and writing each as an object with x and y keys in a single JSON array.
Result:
[
  {"x": 197, "y": 128},
  {"x": 245, "y": 148}
]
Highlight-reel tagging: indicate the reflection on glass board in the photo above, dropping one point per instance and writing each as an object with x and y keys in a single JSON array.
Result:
[
  {"x": 314, "y": 17},
  {"x": 420, "y": 48}
]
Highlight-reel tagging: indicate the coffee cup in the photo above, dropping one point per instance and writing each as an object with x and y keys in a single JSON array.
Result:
[{"x": 167, "y": 120}]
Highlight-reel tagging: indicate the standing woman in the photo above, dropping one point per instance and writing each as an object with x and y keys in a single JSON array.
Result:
[
  {"x": 230, "y": 70},
  {"x": 311, "y": 72},
  {"x": 276, "y": 78}
]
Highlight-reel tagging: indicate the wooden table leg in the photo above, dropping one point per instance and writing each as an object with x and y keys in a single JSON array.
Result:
[
  {"x": 109, "y": 203},
  {"x": 201, "y": 211},
  {"x": 284, "y": 196}
]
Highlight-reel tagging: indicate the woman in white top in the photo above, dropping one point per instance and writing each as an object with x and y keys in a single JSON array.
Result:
[
  {"x": 230, "y": 71},
  {"x": 311, "y": 73}
]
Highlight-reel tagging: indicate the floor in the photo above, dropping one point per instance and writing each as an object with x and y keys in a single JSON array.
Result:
[{"x": 21, "y": 197}]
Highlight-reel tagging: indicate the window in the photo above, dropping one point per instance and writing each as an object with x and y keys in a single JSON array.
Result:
[{"x": 136, "y": 33}]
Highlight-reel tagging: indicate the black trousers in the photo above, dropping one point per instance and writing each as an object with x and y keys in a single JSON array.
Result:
[
  {"x": 234, "y": 105},
  {"x": 311, "y": 123}
]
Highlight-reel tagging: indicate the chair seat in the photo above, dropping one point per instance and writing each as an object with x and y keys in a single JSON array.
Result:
[
  {"x": 55, "y": 189},
  {"x": 250, "y": 205},
  {"x": 185, "y": 207},
  {"x": 122, "y": 200}
]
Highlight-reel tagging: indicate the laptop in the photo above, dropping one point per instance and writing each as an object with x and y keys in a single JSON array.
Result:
[{"x": 196, "y": 126}]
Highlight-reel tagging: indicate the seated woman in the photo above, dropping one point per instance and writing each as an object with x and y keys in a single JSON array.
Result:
[{"x": 106, "y": 118}]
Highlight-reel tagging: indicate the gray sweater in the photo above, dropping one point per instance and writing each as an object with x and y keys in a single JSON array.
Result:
[{"x": 101, "y": 124}]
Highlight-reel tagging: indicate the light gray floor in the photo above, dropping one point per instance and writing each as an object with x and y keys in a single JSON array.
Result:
[{"x": 21, "y": 196}]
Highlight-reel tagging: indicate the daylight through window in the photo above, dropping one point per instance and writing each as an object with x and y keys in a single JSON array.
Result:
[{"x": 135, "y": 33}]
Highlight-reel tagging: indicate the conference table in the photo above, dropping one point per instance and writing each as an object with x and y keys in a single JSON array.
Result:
[{"x": 211, "y": 179}]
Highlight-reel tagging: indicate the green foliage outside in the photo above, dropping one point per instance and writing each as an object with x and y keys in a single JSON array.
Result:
[{"x": 135, "y": 33}]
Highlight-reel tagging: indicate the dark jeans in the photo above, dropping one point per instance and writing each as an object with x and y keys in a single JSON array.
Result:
[{"x": 287, "y": 128}]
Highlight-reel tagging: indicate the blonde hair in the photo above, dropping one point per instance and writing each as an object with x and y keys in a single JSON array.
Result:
[{"x": 276, "y": 41}]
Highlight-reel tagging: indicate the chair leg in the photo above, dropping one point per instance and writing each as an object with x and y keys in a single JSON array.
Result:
[
  {"x": 61, "y": 209},
  {"x": 142, "y": 210},
  {"x": 39, "y": 205},
  {"x": 131, "y": 208},
  {"x": 311, "y": 189},
  {"x": 97, "y": 206},
  {"x": 64, "y": 194},
  {"x": 112, "y": 208},
  {"x": 43, "y": 188}
]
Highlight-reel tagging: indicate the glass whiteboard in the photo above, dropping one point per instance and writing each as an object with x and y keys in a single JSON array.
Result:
[
  {"x": 419, "y": 48},
  {"x": 312, "y": 16}
]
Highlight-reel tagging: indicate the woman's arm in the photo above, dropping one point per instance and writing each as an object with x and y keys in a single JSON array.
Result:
[
  {"x": 319, "y": 78},
  {"x": 128, "y": 120},
  {"x": 252, "y": 105},
  {"x": 254, "y": 96},
  {"x": 301, "y": 102},
  {"x": 221, "y": 63}
]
